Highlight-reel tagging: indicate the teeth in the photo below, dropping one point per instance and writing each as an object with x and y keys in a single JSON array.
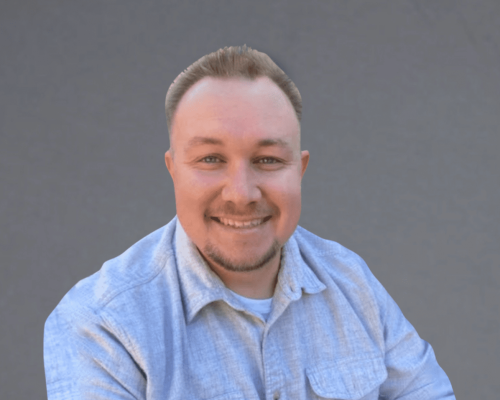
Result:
[{"x": 237, "y": 224}]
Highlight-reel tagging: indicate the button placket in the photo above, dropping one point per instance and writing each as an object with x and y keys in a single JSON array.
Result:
[{"x": 272, "y": 379}]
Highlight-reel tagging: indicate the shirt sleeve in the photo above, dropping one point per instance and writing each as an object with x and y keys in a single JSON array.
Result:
[
  {"x": 412, "y": 368},
  {"x": 85, "y": 358},
  {"x": 413, "y": 372}
]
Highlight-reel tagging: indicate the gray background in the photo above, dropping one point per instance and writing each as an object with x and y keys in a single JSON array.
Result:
[{"x": 401, "y": 117}]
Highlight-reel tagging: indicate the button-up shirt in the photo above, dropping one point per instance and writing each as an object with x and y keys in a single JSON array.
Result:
[{"x": 157, "y": 323}]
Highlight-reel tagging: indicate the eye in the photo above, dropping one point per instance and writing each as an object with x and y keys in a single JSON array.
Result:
[
  {"x": 210, "y": 159},
  {"x": 268, "y": 160}
]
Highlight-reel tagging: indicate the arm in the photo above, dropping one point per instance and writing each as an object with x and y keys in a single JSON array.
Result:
[
  {"x": 85, "y": 358},
  {"x": 413, "y": 371}
]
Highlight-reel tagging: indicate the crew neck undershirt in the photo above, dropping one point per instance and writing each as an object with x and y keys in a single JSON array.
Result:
[{"x": 258, "y": 306}]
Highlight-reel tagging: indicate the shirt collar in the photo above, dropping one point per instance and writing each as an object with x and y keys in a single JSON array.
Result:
[{"x": 201, "y": 286}]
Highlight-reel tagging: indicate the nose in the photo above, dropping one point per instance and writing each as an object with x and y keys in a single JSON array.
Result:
[{"x": 240, "y": 186}]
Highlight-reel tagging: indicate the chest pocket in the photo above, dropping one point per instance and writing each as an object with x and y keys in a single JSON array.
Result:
[{"x": 348, "y": 379}]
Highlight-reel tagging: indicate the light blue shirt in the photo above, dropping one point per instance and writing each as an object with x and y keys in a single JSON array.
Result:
[{"x": 156, "y": 323}]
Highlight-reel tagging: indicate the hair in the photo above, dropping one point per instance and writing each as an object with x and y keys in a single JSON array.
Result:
[{"x": 229, "y": 62}]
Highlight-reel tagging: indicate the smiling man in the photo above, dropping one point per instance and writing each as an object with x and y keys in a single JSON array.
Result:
[
  {"x": 237, "y": 172},
  {"x": 232, "y": 299}
]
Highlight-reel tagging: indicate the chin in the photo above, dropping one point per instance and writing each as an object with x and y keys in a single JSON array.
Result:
[{"x": 242, "y": 261}]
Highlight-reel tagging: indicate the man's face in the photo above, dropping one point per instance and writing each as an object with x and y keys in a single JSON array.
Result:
[{"x": 237, "y": 159}]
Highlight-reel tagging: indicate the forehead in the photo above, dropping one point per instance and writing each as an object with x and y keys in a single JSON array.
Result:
[{"x": 235, "y": 108}]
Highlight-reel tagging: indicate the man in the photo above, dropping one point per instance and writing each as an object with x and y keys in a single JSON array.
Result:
[{"x": 231, "y": 299}]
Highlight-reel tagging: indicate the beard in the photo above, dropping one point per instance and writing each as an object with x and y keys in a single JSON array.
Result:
[{"x": 215, "y": 255}]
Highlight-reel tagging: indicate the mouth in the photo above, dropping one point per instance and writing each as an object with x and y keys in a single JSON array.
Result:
[{"x": 247, "y": 224}]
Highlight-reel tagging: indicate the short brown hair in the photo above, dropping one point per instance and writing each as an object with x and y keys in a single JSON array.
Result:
[{"x": 232, "y": 61}]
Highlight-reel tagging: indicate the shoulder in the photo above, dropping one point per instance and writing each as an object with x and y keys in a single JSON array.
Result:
[
  {"x": 106, "y": 314},
  {"x": 337, "y": 265},
  {"x": 121, "y": 276},
  {"x": 328, "y": 253}
]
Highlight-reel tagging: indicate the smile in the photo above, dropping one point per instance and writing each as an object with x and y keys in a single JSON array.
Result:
[{"x": 241, "y": 224}]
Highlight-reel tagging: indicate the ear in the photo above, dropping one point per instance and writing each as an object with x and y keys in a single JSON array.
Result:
[
  {"x": 305, "y": 161},
  {"x": 169, "y": 162}
]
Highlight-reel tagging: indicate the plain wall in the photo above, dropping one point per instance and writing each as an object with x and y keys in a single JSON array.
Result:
[{"x": 401, "y": 115}]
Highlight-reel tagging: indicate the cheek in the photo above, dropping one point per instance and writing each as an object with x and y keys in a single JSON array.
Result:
[
  {"x": 292, "y": 206},
  {"x": 193, "y": 190},
  {"x": 204, "y": 180},
  {"x": 287, "y": 195},
  {"x": 287, "y": 184}
]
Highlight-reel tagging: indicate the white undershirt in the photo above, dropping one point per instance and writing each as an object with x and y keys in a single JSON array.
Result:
[{"x": 258, "y": 306}]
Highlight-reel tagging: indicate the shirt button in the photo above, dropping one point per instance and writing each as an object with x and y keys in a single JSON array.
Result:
[{"x": 276, "y": 395}]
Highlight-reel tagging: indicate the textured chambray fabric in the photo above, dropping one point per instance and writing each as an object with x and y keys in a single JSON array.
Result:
[{"x": 156, "y": 323}]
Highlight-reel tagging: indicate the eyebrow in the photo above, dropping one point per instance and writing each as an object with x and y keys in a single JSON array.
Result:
[{"x": 200, "y": 140}]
